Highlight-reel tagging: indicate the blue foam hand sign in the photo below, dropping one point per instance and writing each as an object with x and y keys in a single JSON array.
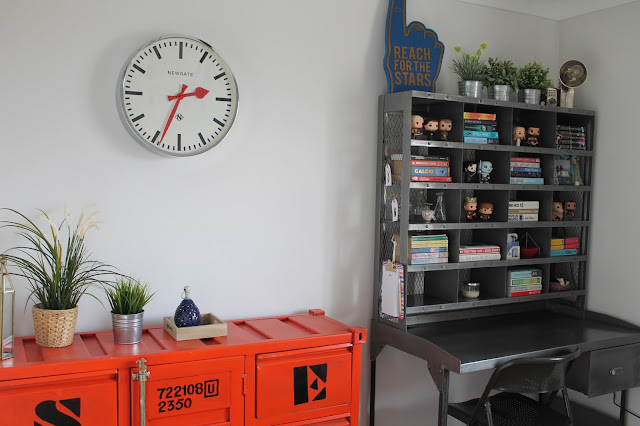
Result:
[{"x": 414, "y": 53}]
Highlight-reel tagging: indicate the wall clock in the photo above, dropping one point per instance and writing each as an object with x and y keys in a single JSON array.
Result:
[{"x": 177, "y": 96}]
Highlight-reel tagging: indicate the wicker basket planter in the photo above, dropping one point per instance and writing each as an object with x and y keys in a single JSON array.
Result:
[{"x": 54, "y": 329}]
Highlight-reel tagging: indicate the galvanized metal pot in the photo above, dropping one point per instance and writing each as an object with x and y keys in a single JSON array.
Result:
[
  {"x": 470, "y": 88},
  {"x": 499, "y": 92},
  {"x": 127, "y": 329},
  {"x": 529, "y": 96}
]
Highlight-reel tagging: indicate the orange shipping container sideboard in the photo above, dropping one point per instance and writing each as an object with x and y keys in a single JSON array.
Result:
[{"x": 292, "y": 370}]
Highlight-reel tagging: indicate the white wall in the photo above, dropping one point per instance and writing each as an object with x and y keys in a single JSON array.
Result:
[
  {"x": 606, "y": 42},
  {"x": 279, "y": 217}
]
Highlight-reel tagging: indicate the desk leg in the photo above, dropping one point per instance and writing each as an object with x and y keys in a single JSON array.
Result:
[
  {"x": 444, "y": 400},
  {"x": 372, "y": 394},
  {"x": 623, "y": 406}
]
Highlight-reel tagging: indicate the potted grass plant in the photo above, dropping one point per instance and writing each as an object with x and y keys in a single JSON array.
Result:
[
  {"x": 501, "y": 78},
  {"x": 57, "y": 266},
  {"x": 471, "y": 69},
  {"x": 127, "y": 297},
  {"x": 533, "y": 79}
]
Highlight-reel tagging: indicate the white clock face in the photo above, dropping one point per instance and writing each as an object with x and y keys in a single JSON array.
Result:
[{"x": 178, "y": 96}]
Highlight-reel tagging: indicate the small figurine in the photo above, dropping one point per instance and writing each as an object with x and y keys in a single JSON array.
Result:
[
  {"x": 430, "y": 129},
  {"x": 518, "y": 135},
  {"x": 569, "y": 210},
  {"x": 558, "y": 211},
  {"x": 444, "y": 127},
  {"x": 532, "y": 136},
  {"x": 416, "y": 125},
  {"x": 470, "y": 207},
  {"x": 486, "y": 210},
  {"x": 576, "y": 174},
  {"x": 470, "y": 171},
  {"x": 485, "y": 167}
]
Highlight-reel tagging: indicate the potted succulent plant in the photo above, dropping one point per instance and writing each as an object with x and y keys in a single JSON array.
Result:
[
  {"x": 533, "y": 79},
  {"x": 58, "y": 270},
  {"x": 127, "y": 298},
  {"x": 501, "y": 78},
  {"x": 471, "y": 69}
]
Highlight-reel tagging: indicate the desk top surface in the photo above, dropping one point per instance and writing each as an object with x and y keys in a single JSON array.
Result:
[{"x": 482, "y": 343}]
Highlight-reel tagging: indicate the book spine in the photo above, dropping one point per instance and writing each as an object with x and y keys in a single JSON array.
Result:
[
  {"x": 524, "y": 205},
  {"x": 525, "y": 164},
  {"x": 429, "y": 171},
  {"x": 479, "y": 140},
  {"x": 525, "y": 293},
  {"x": 480, "y": 127},
  {"x": 481, "y": 256},
  {"x": 526, "y": 174},
  {"x": 431, "y": 179},
  {"x": 526, "y": 169},
  {"x": 428, "y": 237},
  {"x": 480, "y": 250},
  {"x": 526, "y": 159},
  {"x": 563, "y": 252},
  {"x": 564, "y": 246},
  {"x": 524, "y": 211},
  {"x": 429, "y": 163},
  {"x": 430, "y": 260},
  {"x": 572, "y": 240},
  {"x": 473, "y": 121},
  {"x": 478, "y": 134},
  {"x": 526, "y": 181},
  {"x": 525, "y": 273},
  {"x": 524, "y": 287},
  {"x": 429, "y": 249},
  {"x": 479, "y": 116},
  {"x": 429, "y": 255},
  {"x": 523, "y": 281},
  {"x": 525, "y": 217}
]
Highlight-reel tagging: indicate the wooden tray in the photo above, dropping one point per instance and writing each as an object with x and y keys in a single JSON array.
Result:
[{"x": 210, "y": 326}]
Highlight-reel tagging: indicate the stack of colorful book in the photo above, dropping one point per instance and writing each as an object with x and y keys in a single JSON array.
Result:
[
  {"x": 480, "y": 128},
  {"x": 424, "y": 168},
  {"x": 523, "y": 211},
  {"x": 526, "y": 171},
  {"x": 474, "y": 252},
  {"x": 429, "y": 249},
  {"x": 570, "y": 137},
  {"x": 524, "y": 282},
  {"x": 565, "y": 246}
]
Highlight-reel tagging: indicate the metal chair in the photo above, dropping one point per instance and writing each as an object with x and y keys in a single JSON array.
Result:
[{"x": 543, "y": 376}]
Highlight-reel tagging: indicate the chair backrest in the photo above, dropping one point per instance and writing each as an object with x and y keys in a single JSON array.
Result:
[{"x": 532, "y": 375}]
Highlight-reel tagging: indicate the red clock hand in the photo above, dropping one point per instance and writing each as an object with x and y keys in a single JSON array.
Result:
[
  {"x": 199, "y": 93},
  {"x": 173, "y": 111}
]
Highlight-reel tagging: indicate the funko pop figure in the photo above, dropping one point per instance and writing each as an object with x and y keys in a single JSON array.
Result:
[
  {"x": 444, "y": 127},
  {"x": 486, "y": 167},
  {"x": 518, "y": 135},
  {"x": 569, "y": 210},
  {"x": 470, "y": 207},
  {"x": 532, "y": 136},
  {"x": 558, "y": 211},
  {"x": 470, "y": 171},
  {"x": 486, "y": 210},
  {"x": 416, "y": 125},
  {"x": 430, "y": 129}
]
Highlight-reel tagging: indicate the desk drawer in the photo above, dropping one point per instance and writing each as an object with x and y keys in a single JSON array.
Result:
[{"x": 606, "y": 370}]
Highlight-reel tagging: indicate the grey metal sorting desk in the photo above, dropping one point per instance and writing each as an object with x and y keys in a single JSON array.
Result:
[{"x": 610, "y": 360}]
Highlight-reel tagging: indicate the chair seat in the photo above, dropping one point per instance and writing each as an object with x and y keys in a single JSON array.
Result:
[{"x": 510, "y": 409}]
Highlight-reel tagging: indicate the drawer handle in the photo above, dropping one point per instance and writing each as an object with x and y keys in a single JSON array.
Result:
[{"x": 616, "y": 371}]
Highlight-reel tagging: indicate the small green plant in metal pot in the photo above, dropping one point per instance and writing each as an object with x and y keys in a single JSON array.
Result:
[
  {"x": 470, "y": 68},
  {"x": 534, "y": 76},
  {"x": 127, "y": 298},
  {"x": 128, "y": 295},
  {"x": 501, "y": 78}
]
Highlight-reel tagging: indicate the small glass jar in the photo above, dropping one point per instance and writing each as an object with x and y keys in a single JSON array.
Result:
[{"x": 471, "y": 290}]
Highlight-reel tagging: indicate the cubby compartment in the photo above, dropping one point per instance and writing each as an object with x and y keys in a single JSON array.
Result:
[
  {"x": 573, "y": 272},
  {"x": 427, "y": 199},
  {"x": 498, "y": 199},
  {"x": 430, "y": 109},
  {"x": 499, "y": 167},
  {"x": 570, "y": 236},
  {"x": 574, "y": 205},
  {"x": 504, "y": 118},
  {"x": 491, "y": 282},
  {"x": 578, "y": 120},
  {"x": 470, "y": 237},
  {"x": 540, "y": 236},
  {"x": 543, "y": 120},
  {"x": 544, "y": 199},
  {"x": 440, "y": 288}
]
